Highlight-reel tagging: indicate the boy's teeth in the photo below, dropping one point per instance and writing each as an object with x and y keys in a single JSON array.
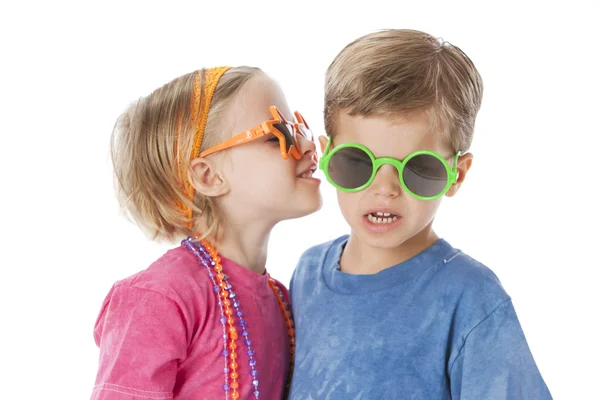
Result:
[{"x": 384, "y": 219}]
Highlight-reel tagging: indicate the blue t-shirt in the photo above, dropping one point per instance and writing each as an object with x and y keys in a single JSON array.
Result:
[{"x": 437, "y": 326}]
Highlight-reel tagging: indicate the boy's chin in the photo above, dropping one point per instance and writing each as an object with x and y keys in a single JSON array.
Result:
[
  {"x": 380, "y": 241},
  {"x": 395, "y": 239}
]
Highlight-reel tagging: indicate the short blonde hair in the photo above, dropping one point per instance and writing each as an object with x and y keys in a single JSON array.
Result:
[
  {"x": 399, "y": 70},
  {"x": 148, "y": 142}
]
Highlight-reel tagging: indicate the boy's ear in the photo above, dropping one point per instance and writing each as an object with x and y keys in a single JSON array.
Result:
[
  {"x": 463, "y": 166},
  {"x": 323, "y": 142},
  {"x": 207, "y": 178}
]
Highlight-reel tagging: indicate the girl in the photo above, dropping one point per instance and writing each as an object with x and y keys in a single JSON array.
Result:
[{"x": 217, "y": 157}]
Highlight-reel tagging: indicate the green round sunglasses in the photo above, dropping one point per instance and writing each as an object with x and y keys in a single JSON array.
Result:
[{"x": 424, "y": 174}]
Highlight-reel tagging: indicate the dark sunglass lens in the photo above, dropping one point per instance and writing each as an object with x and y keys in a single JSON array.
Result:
[
  {"x": 286, "y": 130},
  {"x": 350, "y": 167},
  {"x": 425, "y": 175}
]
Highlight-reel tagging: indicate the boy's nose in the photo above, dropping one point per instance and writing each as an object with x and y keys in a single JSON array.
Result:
[{"x": 386, "y": 182}]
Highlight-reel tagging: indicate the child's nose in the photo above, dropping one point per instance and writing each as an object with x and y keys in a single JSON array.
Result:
[
  {"x": 387, "y": 182},
  {"x": 308, "y": 148}
]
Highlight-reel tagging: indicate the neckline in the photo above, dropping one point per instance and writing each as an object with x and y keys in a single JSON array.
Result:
[{"x": 399, "y": 274}]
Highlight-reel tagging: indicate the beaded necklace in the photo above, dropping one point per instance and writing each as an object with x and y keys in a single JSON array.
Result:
[{"x": 230, "y": 307}]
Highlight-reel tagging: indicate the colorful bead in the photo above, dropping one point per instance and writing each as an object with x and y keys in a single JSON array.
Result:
[
  {"x": 204, "y": 258},
  {"x": 287, "y": 315},
  {"x": 226, "y": 297}
]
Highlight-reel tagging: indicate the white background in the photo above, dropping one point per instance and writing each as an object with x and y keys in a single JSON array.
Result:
[{"x": 529, "y": 209}]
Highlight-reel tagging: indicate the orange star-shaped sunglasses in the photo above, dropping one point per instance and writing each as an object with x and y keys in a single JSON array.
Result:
[{"x": 287, "y": 132}]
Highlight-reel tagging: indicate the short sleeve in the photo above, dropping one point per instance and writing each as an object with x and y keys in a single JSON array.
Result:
[
  {"x": 142, "y": 337},
  {"x": 495, "y": 362}
]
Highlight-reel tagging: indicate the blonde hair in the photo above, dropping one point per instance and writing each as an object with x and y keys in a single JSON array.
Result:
[
  {"x": 400, "y": 70},
  {"x": 151, "y": 149}
]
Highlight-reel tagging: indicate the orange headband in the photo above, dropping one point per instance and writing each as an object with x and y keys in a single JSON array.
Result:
[{"x": 203, "y": 95}]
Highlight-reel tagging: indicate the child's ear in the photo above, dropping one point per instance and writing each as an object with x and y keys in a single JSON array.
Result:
[
  {"x": 207, "y": 178},
  {"x": 463, "y": 166},
  {"x": 323, "y": 142}
]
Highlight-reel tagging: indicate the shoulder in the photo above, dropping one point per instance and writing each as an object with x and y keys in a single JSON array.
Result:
[
  {"x": 309, "y": 270},
  {"x": 176, "y": 275},
  {"x": 173, "y": 288},
  {"x": 320, "y": 254},
  {"x": 470, "y": 291},
  {"x": 473, "y": 280}
]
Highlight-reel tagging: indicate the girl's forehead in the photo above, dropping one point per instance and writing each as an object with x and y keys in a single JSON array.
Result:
[{"x": 250, "y": 106}]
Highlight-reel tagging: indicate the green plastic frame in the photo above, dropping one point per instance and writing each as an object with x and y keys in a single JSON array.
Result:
[{"x": 452, "y": 172}]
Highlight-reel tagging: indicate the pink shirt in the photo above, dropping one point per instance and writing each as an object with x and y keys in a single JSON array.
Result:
[{"x": 160, "y": 334}]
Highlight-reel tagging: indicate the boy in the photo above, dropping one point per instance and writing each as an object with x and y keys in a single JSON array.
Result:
[{"x": 392, "y": 311}]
